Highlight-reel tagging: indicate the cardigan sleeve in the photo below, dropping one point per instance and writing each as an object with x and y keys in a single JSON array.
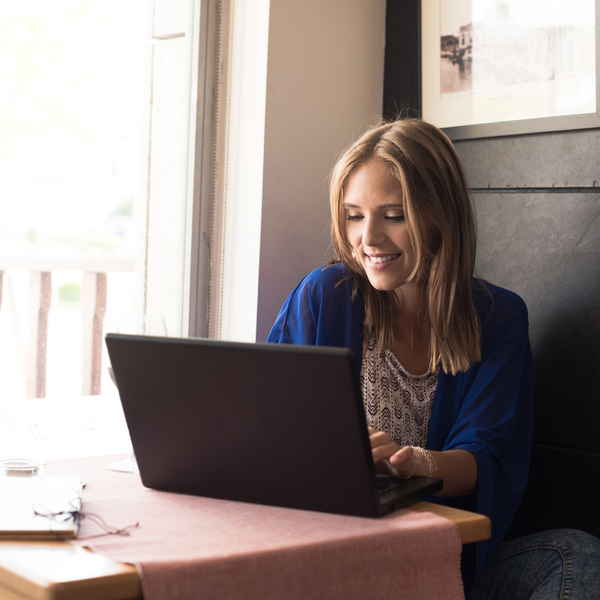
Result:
[
  {"x": 489, "y": 411},
  {"x": 322, "y": 312}
]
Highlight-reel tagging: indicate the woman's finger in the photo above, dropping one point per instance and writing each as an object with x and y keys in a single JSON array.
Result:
[
  {"x": 380, "y": 438},
  {"x": 384, "y": 451},
  {"x": 402, "y": 456},
  {"x": 403, "y": 462}
]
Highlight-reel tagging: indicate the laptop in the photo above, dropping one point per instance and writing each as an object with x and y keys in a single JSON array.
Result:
[{"x": 273, "y": 424}]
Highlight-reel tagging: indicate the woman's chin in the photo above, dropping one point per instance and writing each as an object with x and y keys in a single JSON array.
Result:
[
  {"x": 381, "y": 285},
  {"x": 387, "y": 284}
]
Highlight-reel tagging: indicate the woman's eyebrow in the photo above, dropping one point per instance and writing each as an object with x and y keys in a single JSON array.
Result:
[{"x": 390, "y": 205}]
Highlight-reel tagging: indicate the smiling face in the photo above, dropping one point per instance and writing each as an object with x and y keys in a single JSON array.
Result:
[{"x": 376, "y": 226}]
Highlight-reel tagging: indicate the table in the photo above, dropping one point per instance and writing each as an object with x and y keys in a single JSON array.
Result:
[{"x": 65, "y": 571}]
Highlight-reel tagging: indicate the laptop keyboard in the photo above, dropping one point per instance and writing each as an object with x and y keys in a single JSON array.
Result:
[{"x": 388, "y": 484}]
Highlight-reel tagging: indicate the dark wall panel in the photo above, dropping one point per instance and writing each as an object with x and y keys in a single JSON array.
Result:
[
  {"x": 562, "y": 492},
  {"x": 546, "y": 247},
  {"x": 563, "y": 159},
  {"x": 537, "y": 199}
]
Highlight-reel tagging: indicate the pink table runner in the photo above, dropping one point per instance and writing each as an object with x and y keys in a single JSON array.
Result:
[{"x": 188, "y": 547}]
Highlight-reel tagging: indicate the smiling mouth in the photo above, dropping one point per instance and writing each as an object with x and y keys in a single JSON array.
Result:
[{"x": 382, "y": 258}]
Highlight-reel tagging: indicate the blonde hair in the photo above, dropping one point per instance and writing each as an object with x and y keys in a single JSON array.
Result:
[{"x": 441, "y": 227}]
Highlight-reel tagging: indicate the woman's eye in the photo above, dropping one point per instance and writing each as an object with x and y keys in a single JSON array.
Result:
[
  {"x": 395, "y": 218},
  {"x": 353, "y": 217}
]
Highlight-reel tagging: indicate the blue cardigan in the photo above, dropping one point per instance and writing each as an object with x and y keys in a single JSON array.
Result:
[{"x": 488, "y": 410}]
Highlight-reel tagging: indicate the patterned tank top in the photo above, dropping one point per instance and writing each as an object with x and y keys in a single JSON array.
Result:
[{"x": 396, "y": 401}]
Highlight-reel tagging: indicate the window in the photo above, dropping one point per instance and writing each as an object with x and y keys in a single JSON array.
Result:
[
  {"x": 70, "y": 124},
  {"x": 94, "y": 117}
]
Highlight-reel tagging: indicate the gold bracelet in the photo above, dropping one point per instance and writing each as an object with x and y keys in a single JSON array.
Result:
[{"x": 431, "y": 462}]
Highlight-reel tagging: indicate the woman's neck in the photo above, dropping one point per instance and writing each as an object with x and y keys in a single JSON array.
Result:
[
  {"x": 413, "y": 334},
  {"x": 412, "y": 302}
]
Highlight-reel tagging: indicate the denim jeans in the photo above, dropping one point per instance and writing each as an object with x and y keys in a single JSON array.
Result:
[{"x": 551, "y": 565}]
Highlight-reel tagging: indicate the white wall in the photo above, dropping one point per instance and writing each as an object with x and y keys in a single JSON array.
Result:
[{"x": 324, "y": 86}]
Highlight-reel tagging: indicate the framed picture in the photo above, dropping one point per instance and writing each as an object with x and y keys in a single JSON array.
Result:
[{"x": 499, "y": 67}]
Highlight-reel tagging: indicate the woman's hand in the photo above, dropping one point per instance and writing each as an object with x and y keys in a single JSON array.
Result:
[
  {"x": 390, "y": 459},
  {"x": 457, "y": 468}
]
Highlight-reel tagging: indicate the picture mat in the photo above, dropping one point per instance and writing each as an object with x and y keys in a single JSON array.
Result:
[{"x": 493, "y": 104}]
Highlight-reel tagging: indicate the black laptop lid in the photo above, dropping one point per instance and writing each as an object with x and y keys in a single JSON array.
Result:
[{"x": 271, "y": 424}]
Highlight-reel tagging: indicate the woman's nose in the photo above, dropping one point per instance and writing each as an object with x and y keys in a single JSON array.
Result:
[{"x": 373, "y": 234}]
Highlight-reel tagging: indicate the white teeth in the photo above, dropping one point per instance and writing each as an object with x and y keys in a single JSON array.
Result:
[{"x": 383, "y": 259}]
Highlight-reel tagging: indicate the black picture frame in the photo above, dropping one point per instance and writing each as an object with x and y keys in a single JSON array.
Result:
[{"x": 402, "y": 89}]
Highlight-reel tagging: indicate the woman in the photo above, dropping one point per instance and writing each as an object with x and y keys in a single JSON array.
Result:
[{"x": 446, "y": 368}]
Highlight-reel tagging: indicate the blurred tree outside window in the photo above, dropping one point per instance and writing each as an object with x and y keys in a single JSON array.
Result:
[{"x": 71, "y": 75}]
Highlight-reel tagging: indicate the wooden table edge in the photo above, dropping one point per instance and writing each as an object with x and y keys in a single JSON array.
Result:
[
  {"x": 472, "y": 527},
  {"x": 118, "y": 581}
]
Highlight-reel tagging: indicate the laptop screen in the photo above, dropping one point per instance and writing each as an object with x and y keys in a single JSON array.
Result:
[{"x": 265, "y": 423}]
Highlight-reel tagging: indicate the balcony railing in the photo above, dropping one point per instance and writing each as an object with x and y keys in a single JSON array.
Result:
[{"x": 93, "y": 308}]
